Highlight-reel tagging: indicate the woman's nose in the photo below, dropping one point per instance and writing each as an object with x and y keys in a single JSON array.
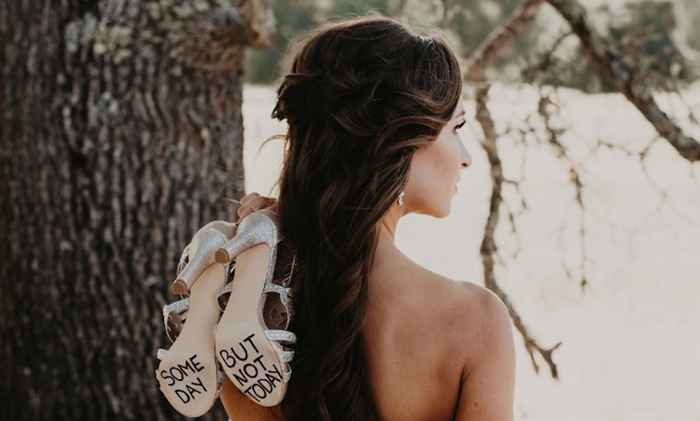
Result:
[{"x": 466, "y": 158}]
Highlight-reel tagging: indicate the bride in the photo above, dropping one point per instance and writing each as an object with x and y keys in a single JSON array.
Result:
[{"x": 374, "y": 110}]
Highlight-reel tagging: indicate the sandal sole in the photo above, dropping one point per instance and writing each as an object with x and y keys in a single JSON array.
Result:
[
  {"x": 187, "y": 374},
  {"x": 246, "y": 355}
]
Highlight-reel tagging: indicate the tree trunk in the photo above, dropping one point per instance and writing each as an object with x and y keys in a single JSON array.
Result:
[{"x": 121, "y": 132}]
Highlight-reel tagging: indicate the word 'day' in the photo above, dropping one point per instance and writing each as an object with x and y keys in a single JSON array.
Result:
[{"x": 184, "y": 380}]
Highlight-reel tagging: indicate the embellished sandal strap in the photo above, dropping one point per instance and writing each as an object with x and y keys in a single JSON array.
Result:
[
  {"x": 287, "y": 356},
  {"x": 281, "y": 290},
  {"x": 161, "y": 353},
  {"x": 185, "y": 255},
  {"x": 281, "y": 335},
  {"x": 285, "y": 296},
  {"x": 284, "y": 355},
  {"x": 286, "y": 372},
  {"x": 177, "y": 306}
]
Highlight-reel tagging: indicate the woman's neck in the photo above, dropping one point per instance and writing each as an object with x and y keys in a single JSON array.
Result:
[
  {"x": 386, "y": 243},
  {"x": 389, "y": 223}
]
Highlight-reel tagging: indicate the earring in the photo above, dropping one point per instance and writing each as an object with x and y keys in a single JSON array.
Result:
[{"x": 401, "y": 198}]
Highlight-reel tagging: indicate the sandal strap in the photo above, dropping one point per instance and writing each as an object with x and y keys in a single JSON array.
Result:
[
  {"x": 227, "y": 286},
  {"x": 273, "y": 287},
  {"x": 285, "y": 296},
  {"x": 284, "y": 293},
  {"x": 281, "y": 335},
  {"x": 161, "y": 353},
  {"x": 287, "y": 374},
  {"x": 177, "y": 306},
  {"x": 284, "y": 355},
  {"x": 287, "y": 356},
  {"x": 185, "y": 254},
  {"x": 226, "y": 289}
]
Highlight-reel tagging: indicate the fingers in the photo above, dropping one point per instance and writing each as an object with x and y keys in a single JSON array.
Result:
[{"x": 252, "y": 202}]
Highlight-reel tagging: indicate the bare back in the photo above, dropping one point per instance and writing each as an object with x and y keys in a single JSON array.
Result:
[
  {"x": 416, "y": 338},
  {"x": 419, "y": 329}
]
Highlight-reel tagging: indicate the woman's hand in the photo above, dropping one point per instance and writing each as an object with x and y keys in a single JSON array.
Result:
[{"x": 254, "y": 201}]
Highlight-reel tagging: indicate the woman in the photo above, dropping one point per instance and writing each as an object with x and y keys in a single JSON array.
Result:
[{"x": 373, "y": 110}]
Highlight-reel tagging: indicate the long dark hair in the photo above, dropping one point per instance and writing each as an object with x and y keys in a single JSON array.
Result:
[{"x": 360, "y": 96}]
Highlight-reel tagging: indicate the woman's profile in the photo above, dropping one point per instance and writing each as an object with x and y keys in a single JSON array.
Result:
[{"x": 373, "y": 110}]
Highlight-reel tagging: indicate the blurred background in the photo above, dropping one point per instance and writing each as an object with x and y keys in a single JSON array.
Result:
[{"x": 127, "y": 125}]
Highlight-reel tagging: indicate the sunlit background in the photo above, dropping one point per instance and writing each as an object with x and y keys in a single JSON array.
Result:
[
  {"x": 616, "y": 279},
  {"x": 631, "y": 340}
]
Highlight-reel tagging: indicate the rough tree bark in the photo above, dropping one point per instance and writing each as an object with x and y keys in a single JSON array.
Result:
[{"x": 121, "y": 131}]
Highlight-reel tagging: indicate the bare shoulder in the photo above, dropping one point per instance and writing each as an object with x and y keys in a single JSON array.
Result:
[
  {"x": 463, "y": 300},
  {"x": 477, "y": 339},
  {"x": 488, "y": 372},
  {"x": 482, "y": 303},
  {"x": 424, "y": 332},
  {"x": 477, "y": 320},
  {"x": 450, "y": 304}
]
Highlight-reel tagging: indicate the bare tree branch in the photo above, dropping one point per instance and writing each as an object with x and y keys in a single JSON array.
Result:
[
  {"x": 489, "y": 249},
  {"x": 562, "y": 152},
  {"x": 612, "y": 69},
  {"x": 615, "y": 71},
  {"x": 545, "y": 61},
  {"x": 496, "y": 42}
]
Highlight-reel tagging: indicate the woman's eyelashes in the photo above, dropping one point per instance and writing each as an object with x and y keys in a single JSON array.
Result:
[{"x": 457, "y": 127}]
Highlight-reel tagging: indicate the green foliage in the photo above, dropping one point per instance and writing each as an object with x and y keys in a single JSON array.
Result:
[
  {"x": 640, "y": 32},
  {"x": 692, "y": 14},
  {"x": 343, "y": 8},
  {"x": 292, "y": 18},
  {"x": 474, "y": 20},
  {"x": 644, "y": 39},
  {"x": 466, "y": 22}
]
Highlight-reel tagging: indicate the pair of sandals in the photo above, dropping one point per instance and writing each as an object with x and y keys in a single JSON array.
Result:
[{"x": 231, "y": 339}]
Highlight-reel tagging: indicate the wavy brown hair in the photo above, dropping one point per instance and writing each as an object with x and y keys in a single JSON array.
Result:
[{"x": 360, "y": 96}]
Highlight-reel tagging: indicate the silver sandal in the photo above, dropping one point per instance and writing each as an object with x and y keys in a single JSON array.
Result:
[
  {"x": 254, "y": 357},
  {"x": 188, "y": 373}
]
